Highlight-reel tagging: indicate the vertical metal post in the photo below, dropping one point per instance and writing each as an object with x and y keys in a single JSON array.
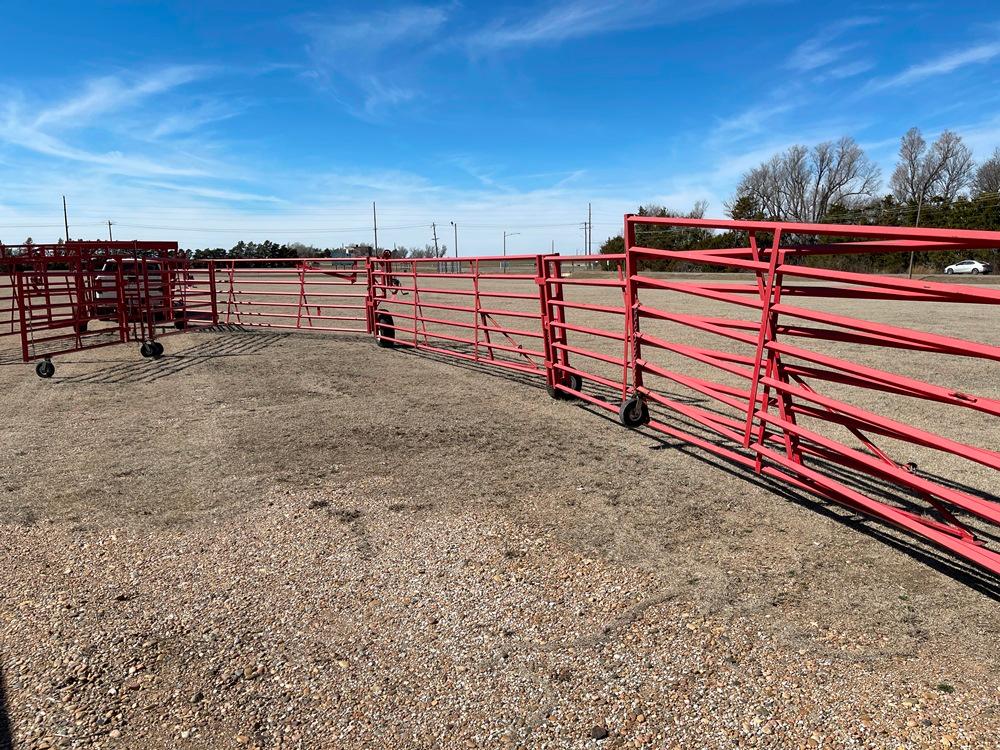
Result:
[
  {"x": 416, "y": 298},
  {"x": 302, "y": 296},
  {"x": 211, "y": 292},
  {"x": 21, "y": 293},
  {"x": 763, "y": 336},
  {"x": 557, "y": 315},
  {"x": 477, "y": 306},
  {"x": 542, "y": 281},
  {"x": 120, "y": 302},
  {"x": 631, "y": 304}
]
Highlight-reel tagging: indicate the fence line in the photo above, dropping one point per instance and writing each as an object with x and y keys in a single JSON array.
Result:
[{"x": 759, "y": 370}]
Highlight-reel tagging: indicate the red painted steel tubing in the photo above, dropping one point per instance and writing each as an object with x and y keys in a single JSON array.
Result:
[
  {"x": 759, "y": 369},
  {"x": 782, "y": 368}
]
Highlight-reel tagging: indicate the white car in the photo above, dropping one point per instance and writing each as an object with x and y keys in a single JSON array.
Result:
[{"x": 969, "y": 266}]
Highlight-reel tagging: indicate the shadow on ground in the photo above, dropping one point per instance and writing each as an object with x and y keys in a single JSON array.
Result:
[
  {"x": 149, "y": 370},
  {"x": 915, "y": 548},
  {"x": 6, "y": 738}
]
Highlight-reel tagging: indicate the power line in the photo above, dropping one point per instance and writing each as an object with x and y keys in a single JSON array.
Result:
[{"x": 274, "y": 230}]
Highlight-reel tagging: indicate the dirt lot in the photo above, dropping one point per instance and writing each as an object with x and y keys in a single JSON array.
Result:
[{"x": 279, "y": 540}]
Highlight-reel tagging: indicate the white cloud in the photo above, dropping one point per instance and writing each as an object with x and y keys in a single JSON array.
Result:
[
  {"x": 340, "y": 40},
  {"x": 192, "y": 120},
  {"x": 214, "y": 193},
  {"x": 943, "y": 65},
  {"x": 820, "y": 51},
  {"x": 582, "y": 18},
  {"x": 25, "y": 136},
  {"x": 849, "y": 70},
  {"x": 103, "y": 104},
  {"x": 750, "y": 121},
  {"x": 366, "y": 60},
  {"x": 111, "y": 94}
]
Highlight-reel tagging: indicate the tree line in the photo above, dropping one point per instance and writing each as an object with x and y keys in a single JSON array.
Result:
[
  {"x": 268, "y": 250},
  {"x": 932, "y": 185}
]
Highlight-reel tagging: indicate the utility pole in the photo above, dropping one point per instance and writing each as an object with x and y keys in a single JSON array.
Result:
[
  {"x": 375, "y": 226},
  {"x": 584, "y": 251},
  {"x": 110, "y": 238},
  {"x": 920, "y": 204},
  {"x": 65, "y": 218},
  {"x": 437, "y": 253},
  {"x": 507, "y": 234},
  {"x": 590, "y": 229},
  {"x": 456, "y": 246}
]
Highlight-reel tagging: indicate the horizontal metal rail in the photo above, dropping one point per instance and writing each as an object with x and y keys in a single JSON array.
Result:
[
  {"x": 786, "y": 371},
  {"x": 764, "y": 402}
]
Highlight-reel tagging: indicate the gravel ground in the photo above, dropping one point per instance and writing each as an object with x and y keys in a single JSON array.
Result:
[{"x": 247, "y": 544}]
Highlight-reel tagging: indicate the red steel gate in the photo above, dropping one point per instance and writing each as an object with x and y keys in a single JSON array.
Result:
[
  {"x": 812, "y": 377},
  {"x": 780, "y": 372},
  {"x": 486, "y": 310},
  {"x": 302, "y": 294},
  {"x": 80, "y": 296}
]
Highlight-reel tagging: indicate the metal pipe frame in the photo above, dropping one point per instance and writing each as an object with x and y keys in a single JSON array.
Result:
[
  {"x": 768, "y": 396},
  {"x": 784, "y": 373}
]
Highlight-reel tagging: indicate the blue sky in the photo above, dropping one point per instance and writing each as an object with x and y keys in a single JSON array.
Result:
[{"x": 202, "y": 123}]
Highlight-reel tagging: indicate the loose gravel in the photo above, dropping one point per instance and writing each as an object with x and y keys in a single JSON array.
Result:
[{"x": 278, "y": 561}]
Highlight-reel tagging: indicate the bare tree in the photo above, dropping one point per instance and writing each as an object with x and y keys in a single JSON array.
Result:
[
  {"x": 941, "y": 171},
  {"x": 909, "y": 179},
  {"x": 842, "y": 174},
  {"x": 987, "y": 179},
  {"x": 802, "y": 184},
  {"x": 958, "y": 170}
]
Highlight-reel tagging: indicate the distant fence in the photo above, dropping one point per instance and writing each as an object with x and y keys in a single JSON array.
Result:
[{"x": 811, "y": 377}]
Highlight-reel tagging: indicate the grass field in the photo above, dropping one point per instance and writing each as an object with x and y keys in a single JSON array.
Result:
[{"x": 301, "y": 540}]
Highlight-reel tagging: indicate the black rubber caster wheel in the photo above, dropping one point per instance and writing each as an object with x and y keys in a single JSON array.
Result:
[
  {"x": 573, "y": 381},
  {"x": 157, "y": 349},
  {"x": 146, "y": 350},
  {"x": 45, "y": 369},
  {"x": 633, "y": 413},
  {"x": 385, "y": 334}
]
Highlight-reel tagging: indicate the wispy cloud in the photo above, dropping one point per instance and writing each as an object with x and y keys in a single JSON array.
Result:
[
  {"x": 821, "y": 49},
  {"x": 751, "y": 121},
  {"x": 366, "y": 59},
  {"x": 339, "y": 38},
  {"x": 849, "y": 70},
  {"x": 15, "y": 132},
  {"x": 214, "y": 193},
  {"x": 977, "y": 55},
  {"x": 583, "y": 18},
  {"x": 194, "y": 119},
  {"x": 111, "y": 94},
  {"x": 124, "y": 109}
]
